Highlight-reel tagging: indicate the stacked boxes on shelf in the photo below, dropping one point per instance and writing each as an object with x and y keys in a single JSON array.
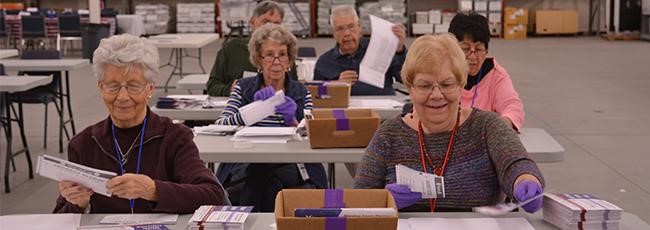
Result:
[
  {"x": 556, "y": 21},
  {"x": 156, "y": 17},
  {"x": 291, "y": 21},
  {"x": 446, "y": 20},
  {"x": 236, "y": 13},
  {"x": 323, "y": 14},
  {"x": 195, "y": 18},
  {"x": 421, "y": 24},
  {"x": 515, "y": 23},
  {"x": 391, "y": 10},
  {"x": 491, "y": 9}
]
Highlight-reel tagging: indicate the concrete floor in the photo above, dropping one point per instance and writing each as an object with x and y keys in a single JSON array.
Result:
[{"x": 590, "y": 94}]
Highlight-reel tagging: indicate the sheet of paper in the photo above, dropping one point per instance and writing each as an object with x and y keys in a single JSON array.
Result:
[
  {"x": 469, "y": 223},
  {"x": 59, "y": 170},
  {"x": 380, "y": 52},
  {"x": 266, "y": 131},
  {"x": 216, "y": 129},
  {"x": 375, "y": 103},
  {"x": 138, "y": 219},
  {"x": 258, "y": 110},
  {"x": 431, "y": 186},
  {"x": 40, "y": 221},
  {"x": 189, "y": 96}
]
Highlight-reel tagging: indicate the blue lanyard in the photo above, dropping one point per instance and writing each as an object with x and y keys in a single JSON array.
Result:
[
  {"x": 480, "y": 73},
  {"x": 119, "y": 155}
]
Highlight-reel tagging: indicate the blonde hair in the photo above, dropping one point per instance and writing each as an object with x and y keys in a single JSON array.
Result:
[
  {"x": 271, "y": 32},
  {"x": 429, "y": 52}
]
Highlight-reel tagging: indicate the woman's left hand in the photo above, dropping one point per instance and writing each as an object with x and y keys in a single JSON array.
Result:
[
  {"x": 288, "y": 110},
  {"x": 133, "y": 186}
]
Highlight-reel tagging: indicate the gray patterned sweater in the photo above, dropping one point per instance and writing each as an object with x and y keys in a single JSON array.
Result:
[{"x": 487, "y": 158}]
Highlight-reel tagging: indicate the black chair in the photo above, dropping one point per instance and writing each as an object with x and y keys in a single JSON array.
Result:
[
  {"x": 33, "y": 28},
  {"x": 306, "y": 52},
  {"x": 44, "y": 94},
  {"x": 69, "y": 30},
  {"x": 3, "y": 31}
]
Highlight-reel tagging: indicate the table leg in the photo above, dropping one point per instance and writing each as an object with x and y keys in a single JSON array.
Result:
[
  {"x": 177, "y": 52},
  {"x": 67, "y": 93},
  {"x": 331, "y": 168},
  {"x": 200, "y": 62},
  {"x": 9, "y": 136},
  {"x": 61, "y": 123},
  {"x": 21, "y": 125}
]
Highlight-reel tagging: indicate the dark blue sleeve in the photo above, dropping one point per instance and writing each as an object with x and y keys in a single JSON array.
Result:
[{"x": 395, "y": 68}]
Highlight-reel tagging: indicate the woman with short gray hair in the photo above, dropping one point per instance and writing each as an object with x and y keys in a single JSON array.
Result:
[
  {"x": 157, "y": 163},
  {"x": 272, "y": 50}
]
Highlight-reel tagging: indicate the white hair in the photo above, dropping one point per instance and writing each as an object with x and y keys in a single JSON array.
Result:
[
  {"x": 343, "y": 11},
  {"x": 126, "y": 51}
]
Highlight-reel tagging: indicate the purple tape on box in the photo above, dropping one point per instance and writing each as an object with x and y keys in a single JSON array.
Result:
[
  {"x": 342, "y": 122},
  {"x": 334, "y": 198},
  {"x": 322, "y": 92},
  {"x": 335, "y": 223}
]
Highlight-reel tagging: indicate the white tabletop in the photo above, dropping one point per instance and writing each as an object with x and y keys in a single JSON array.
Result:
[
  {"x": 540, "y": 145},
  {"x": 261, "y": 221},
  {"x": 45, "y": 65},
  {"x": 22, "y": 83},
  {"x": 192, "y": 41},
  {"x": 7, "y": 53},
  {"x": 193, "y": 81},
  {"x": 213, "y": 113}
]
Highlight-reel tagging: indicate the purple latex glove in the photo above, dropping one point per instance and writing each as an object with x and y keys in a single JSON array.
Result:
[
  {"x": 264, "y": 93},
  {"x": 403, "y": 195},
  {"x": 527, "y": 189},
  {"x": 288, "y": 110}
]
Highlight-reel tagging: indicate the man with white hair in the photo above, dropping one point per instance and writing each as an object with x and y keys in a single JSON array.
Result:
[
  {"x": 342, "y": 62},
  {"x": 232, "y": 60}
]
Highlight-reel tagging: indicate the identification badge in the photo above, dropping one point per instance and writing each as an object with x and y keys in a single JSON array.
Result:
[
  {"x": 303, "y": 171},
  {"x": 430, "y": 185}
]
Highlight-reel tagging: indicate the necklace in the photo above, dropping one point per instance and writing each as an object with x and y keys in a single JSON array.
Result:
[
  {"x": 126, "y": 154},
  {"x": 440, "y": 171}
]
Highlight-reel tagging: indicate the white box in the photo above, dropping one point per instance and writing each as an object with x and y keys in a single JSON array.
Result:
[
  {"x": 442, "y": 28},
  {"x": 421, "y": 17},
  {"x": 465, "y": 5},
  {"x": 494, "y": 17},
  {"x": 447, "y": 17},
  {"x": 483, "y": 13},
  {"x": 435, "y": 16},
  {"x": 495, "y": 6},
  {"x": 480, "y": 6},
  {"x": 422, "y": 28},
  {"x": 495, "y": 29}
]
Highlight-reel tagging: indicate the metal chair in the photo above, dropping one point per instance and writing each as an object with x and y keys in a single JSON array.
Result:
[
  {"x": 306, "y": 52},
  {"x": 33, "y": 28},
  {"x": 44, "y": 94},
  {"x": 69, "y": 30}
]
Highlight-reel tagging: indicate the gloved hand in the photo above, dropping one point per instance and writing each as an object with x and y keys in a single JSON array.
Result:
[
  {"x": 527, "y": 189},
  {"x": 403, "y": 195},
  {"x": 288, "y": 110},
  {"x": 264, "y": 93}
]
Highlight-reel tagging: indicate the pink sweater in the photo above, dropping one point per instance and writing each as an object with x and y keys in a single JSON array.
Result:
[{"x": 496, "y": 93}]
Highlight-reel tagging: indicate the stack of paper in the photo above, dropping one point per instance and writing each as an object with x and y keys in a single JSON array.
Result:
[
  {"x": 189, "y": 101},
  {"x": 265, "y": 134},
  {"x": 140, "y": 219},
  {"x": 580, "y": 211},
  {"x": 219, "y": 130},
  {"x": 375, "y": 103},
  {"x": 219, "y": 217}
]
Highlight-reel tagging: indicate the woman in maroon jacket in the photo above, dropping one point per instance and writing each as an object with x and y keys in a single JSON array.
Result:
[{"x": 158, "y": 165}]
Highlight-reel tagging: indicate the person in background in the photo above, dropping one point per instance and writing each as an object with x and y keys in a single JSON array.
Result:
[
  {"x": 158, "y": 165},
  {"x": 272, "y": 49},
  {"x": 489, "y": 86},
  {"x": 232, "y": 60},
  {"x": 342, "y": 62},
  {"x": 480, "y": 156}
]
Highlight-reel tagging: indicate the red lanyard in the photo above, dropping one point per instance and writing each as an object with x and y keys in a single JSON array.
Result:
[{"x": 423, "y": 151}]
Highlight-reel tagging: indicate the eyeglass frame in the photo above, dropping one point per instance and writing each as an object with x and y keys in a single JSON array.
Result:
[
  {"x": 126, "y": 86},
  {"x": 343, "y": 28},
  {"x": 472, "y": 49},
  {"x": 279, "y": 58},
  {"x": 449, "y": 89}
]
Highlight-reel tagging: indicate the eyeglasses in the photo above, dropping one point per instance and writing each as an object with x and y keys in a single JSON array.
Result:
[
  {"x": 341, "y": 29},
  {"x": 271, "y": 58},
  {"x": 426, "y": 89},
  {"x": 114, "y": 88},
  {"x": 468, "y": 50}
]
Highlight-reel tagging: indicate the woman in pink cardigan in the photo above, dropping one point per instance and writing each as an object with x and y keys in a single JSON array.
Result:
[{"x": 488, "y": 85}]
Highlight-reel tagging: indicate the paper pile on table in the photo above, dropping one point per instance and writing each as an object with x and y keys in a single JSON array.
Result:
[
  {"x": 209, "y": 217},
  {"x": 580, "y": 211}
]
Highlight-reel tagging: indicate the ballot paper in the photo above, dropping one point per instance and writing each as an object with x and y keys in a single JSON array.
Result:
[
  {"x": 219, "y": 130},
  {"x": 138, "y": 219},
  {"x": 258, "y": 110},
  {"x": 374, "y": 103},
  {"x": 430, "y": 185},
  {"x": 380, "y": 52},
  {"x": 265, "y": 134},
  {"x": 60, "y": 170}
]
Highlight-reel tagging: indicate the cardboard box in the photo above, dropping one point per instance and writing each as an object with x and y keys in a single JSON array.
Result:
[
  {"x": 422, "y": 28},
  {"x": 421, "y": 17},
  {"x": 570, "y": 21},
  {"x": 495, "y": 29},
  {"x": 435, "y": 16},
  {"x": 514, "y": 16},
  {"x": 288, "y": 200},
  {"x": 514, "y": 32},
  {"x": 556, "y": 21},
  {"x": 329, "y": 94},
  {"x": 337, "y": 128}
]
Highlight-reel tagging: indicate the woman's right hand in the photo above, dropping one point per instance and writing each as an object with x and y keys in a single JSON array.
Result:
[
  {"x": 264, "y": 93},
  {"x": 75, "y": 194}
]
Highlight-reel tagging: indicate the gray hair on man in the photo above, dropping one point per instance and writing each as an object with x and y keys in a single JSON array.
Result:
[
  {"x": 343, "y": 11},
  {"x": 126, "y": 51},
  {"x": 267, "y": 6}
]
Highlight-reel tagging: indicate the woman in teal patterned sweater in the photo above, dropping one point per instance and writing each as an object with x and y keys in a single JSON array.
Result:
[{"x": 479, "y": 155}]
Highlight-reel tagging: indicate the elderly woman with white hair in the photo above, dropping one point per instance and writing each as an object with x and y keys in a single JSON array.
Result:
[{"x": 158, "y": 165}]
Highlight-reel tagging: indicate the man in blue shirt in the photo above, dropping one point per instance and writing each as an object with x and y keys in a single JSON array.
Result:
[{"x": 342, "y": 62}]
